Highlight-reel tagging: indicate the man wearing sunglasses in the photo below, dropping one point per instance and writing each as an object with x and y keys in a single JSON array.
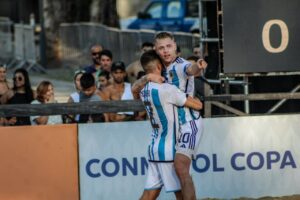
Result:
[{"x": 95, "y": 54}]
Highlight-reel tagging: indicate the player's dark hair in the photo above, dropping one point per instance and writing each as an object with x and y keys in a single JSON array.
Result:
[{"x": 147, "y": 58}]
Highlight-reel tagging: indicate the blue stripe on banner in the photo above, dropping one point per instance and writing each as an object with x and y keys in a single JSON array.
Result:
[{"x": 164, "y": 123}]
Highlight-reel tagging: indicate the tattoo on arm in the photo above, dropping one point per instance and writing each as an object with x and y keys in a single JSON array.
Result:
[{"x": 138, "y": 86}]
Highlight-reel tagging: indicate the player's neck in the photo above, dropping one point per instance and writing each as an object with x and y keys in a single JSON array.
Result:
[{"x": 167, "y": 64}]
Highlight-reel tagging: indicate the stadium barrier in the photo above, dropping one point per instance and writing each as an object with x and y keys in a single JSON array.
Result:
[
  {"x": 125, "y": 44},
  {"x": 250, "y": 157},
  {"x": 26, "y": 53},
  {"x": 6, "y": 39}
]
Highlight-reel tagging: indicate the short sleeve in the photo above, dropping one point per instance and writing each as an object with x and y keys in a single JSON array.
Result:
[
  {"x": 186, "y": 66},
  {"x": 174, "y": 95}
]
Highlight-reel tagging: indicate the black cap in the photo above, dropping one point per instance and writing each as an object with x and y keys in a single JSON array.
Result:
[{"x": 118, "y": 65}]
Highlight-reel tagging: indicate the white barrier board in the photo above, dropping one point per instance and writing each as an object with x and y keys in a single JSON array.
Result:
[{"x": 238, "y": 157}]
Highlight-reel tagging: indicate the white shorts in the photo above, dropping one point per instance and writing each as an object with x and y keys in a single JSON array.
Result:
[
  {"x": 189, "y": 137},
  {"x": 162, "y": 174}
]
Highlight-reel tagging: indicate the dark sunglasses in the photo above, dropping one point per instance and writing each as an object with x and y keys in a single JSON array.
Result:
[
  {"x": 95, "y": 53},
  {"x": 19, "y": 78}
]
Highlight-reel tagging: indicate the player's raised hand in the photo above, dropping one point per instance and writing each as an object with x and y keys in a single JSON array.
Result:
[{"x": 202, "y": 64}]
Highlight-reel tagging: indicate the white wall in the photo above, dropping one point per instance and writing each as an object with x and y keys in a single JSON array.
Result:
[{"x": 238, "y": 157}]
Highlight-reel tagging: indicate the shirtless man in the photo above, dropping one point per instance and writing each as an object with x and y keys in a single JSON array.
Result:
[
  {"x": 119, "y": 90},
  {"x": 135, "y": 67}
]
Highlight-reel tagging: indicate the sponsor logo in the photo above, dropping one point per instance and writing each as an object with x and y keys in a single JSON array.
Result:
[{"x": 111, "y": 167}]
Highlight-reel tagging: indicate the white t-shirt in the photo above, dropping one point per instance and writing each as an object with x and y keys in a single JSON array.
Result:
[{"x": 52, "y": 119}]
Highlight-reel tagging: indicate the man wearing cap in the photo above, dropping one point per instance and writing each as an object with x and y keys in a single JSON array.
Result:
[{"x": 119, "y": 90}]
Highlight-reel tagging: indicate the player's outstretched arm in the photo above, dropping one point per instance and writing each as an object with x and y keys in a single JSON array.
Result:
[
  {"x": 194, "y": 69},
  {"x": 193, "y": 103}
]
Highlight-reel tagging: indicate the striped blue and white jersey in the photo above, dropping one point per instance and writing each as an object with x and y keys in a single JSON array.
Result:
[
  {"x": 175, "y": 74},
  {"x": 160, "y": 101}
]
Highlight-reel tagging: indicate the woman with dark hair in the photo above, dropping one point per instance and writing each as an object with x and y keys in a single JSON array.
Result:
[
  {"x": 45, "y": 94},
  {"x": 103, "y": 82},
  {"x": 21, "y": 93}
]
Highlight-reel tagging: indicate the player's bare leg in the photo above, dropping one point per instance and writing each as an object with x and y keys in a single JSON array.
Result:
[
  {"x": 179, "y": 195},
  {"x": 182, "y": 167},
  {"x": 150, "y": 194}
]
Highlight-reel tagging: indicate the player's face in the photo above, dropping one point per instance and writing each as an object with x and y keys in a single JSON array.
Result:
[{"x": 166, "y": 49}]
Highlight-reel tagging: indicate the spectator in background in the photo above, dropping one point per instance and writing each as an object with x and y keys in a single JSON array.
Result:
[
  {"x": 95, "y": 53},
  {"x": 106, "y": 59},
  {"x": 74, "y": 97},
  {"x": 197, "y": 51},
  {"x": 119, "y": 90},
  {"x": 4, "y": 87},
  {"x": 103, "y": 83},
  {"x": 178, "y": 51},
  {"x": 45, "y": 94},
  {"x": 4, "y": 84},
  {"x": 88, "y": 94},
  {"x": 135, "y": 67},
  {"x": 21, "y": 93}
]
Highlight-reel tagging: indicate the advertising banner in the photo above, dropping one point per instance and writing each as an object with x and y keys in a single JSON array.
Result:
[
  {"x": 238, "y": 157},
  {"x": 39, "y": 162}
]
